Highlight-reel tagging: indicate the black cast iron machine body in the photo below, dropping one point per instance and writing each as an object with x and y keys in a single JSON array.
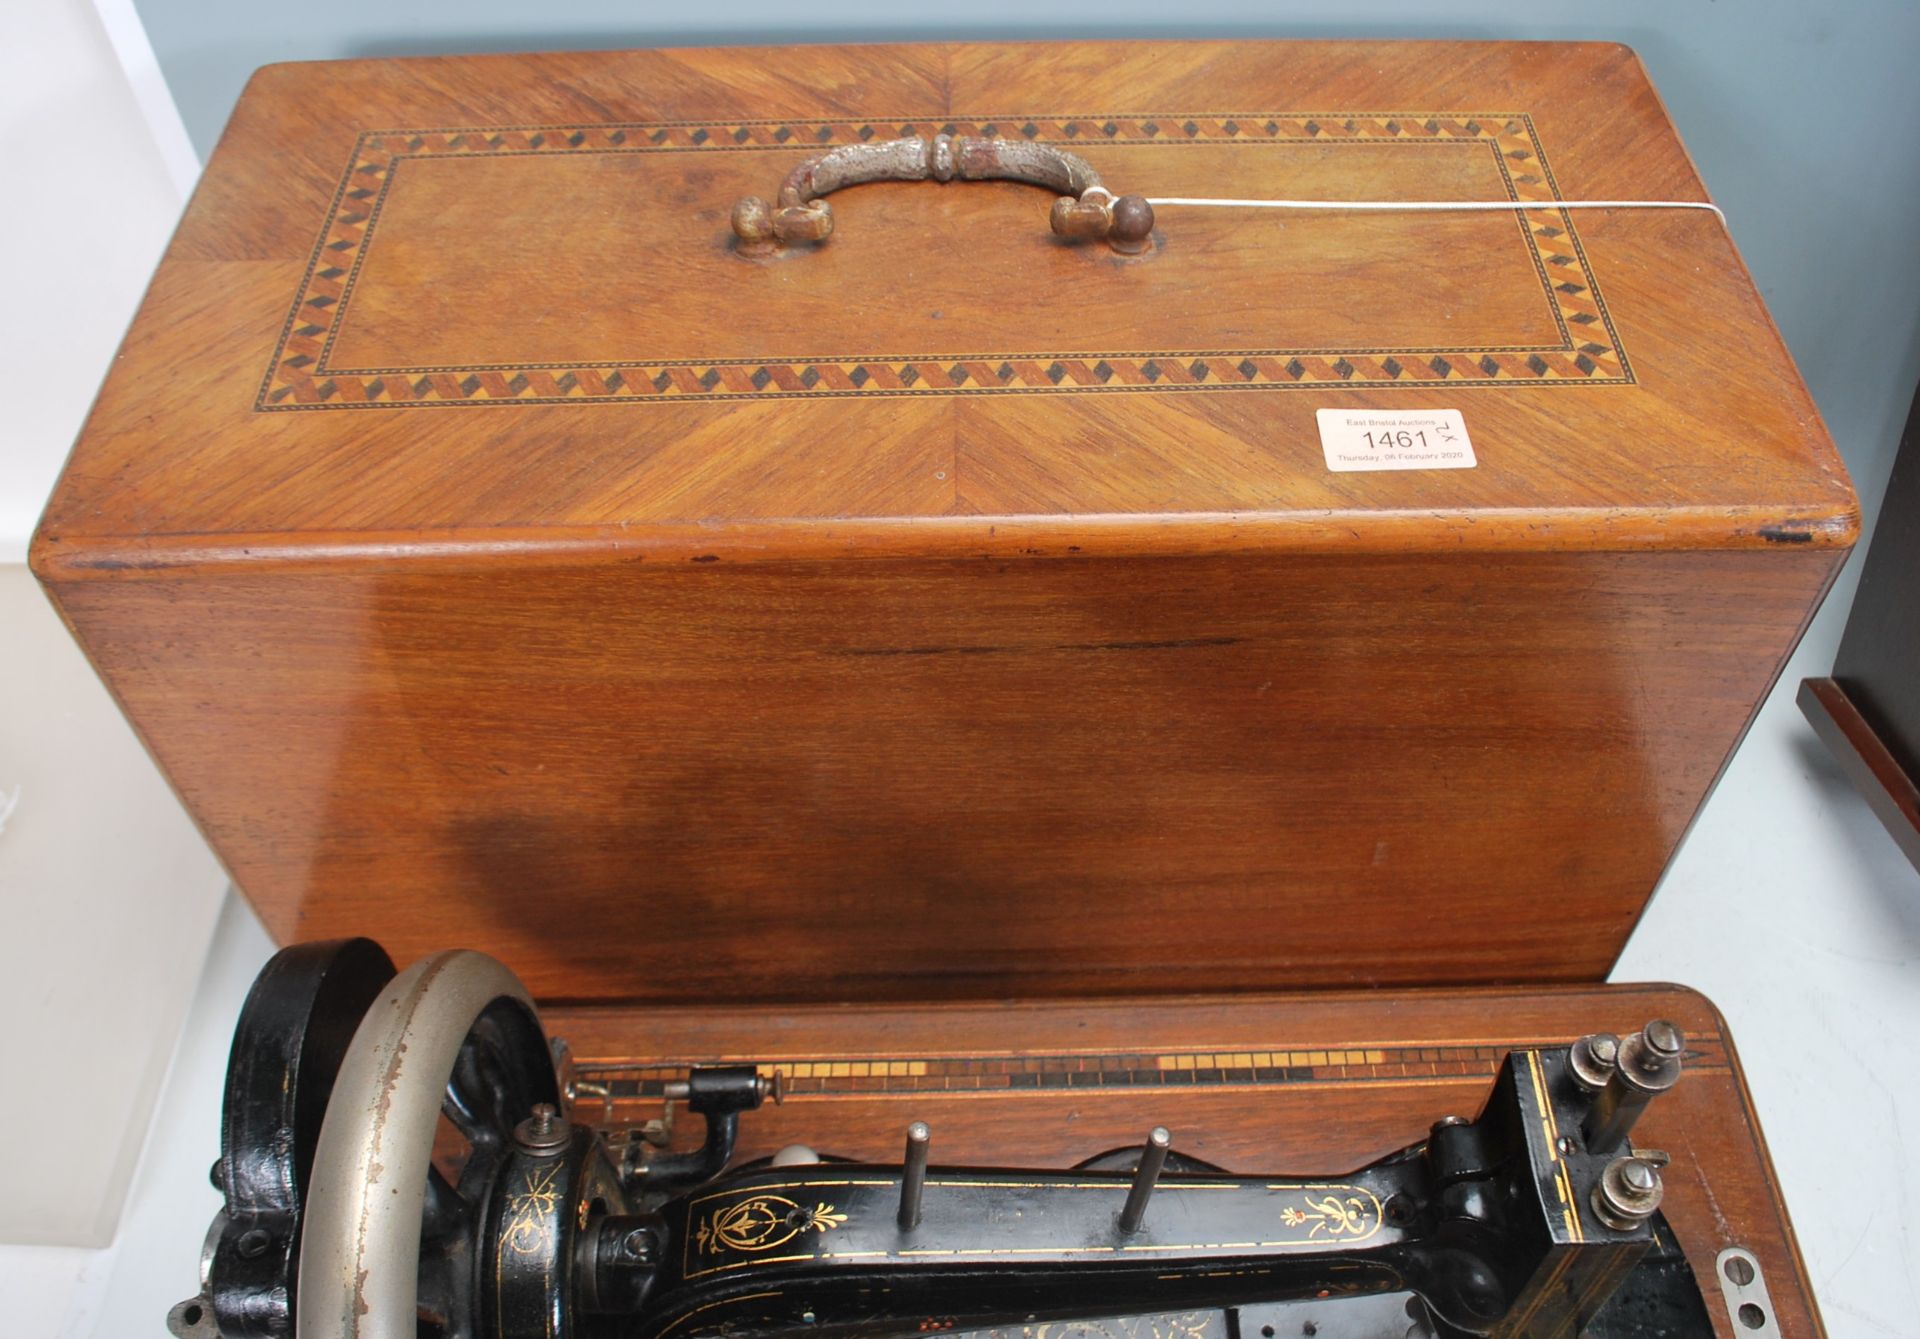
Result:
[{"x": 1535, "y": 1218}]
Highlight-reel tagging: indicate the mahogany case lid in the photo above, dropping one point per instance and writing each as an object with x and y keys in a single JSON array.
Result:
[{"x": 492, "y": 304}]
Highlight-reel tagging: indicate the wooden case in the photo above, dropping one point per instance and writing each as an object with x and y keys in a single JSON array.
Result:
[{"x": 486, "y": 547}]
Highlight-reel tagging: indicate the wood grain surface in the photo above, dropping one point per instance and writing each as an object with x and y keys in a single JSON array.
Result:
[
  {"x": 478, "y": 541},
  {"x": 1287, "y": 1085},
  {"x": 937, "y": 779},
  {"x": 538, "y": 255}
]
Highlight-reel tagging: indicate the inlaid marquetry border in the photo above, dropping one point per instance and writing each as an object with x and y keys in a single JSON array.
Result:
[
  {"x": 1032, "y": 1074},
  {"x": 303, "y": 377}
]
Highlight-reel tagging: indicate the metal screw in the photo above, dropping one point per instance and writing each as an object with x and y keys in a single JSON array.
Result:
[
  {"x": 1627, "y": 1193},
  {"x": 544, "y": 1130},
  {"x": 1664, "y": 1040},
  {"x": 253, "y": 1243},
  {"x": 1592, "y": 1059},
  {"x": 637, "y": 1244}
]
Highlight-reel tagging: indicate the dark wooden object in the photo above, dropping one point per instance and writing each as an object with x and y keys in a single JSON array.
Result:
[
  {"x": 1868, "y": 712},
  {"x": 486, "y": 549},
  {"x": 1290, "y": 1085}
]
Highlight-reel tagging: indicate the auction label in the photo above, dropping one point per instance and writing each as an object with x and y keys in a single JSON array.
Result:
[{"x": 1395, "y": 439}]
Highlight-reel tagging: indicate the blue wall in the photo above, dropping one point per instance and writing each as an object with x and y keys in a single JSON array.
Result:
[{"x": 1803, "y": 115}]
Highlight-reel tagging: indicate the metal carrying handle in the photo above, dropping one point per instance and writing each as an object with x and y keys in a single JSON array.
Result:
[{"x": 1085, "y": 208}]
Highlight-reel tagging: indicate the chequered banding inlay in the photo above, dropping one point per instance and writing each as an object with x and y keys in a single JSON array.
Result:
[
  {"x": 1014, "y": 1074},
  {"x": 303, "y": 377}
]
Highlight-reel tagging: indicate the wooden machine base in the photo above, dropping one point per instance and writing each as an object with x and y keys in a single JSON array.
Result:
[{"x": 1252, "y": 1083}]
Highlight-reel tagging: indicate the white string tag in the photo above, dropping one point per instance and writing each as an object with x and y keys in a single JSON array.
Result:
[{"x": 1432, "y": 206}]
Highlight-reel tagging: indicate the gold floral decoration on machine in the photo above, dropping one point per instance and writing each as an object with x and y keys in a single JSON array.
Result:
[{"x": 762, "y": 1223}]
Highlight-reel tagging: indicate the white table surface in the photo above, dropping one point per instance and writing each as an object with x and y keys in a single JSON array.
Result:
[{"x": 1789, "y": 906}]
